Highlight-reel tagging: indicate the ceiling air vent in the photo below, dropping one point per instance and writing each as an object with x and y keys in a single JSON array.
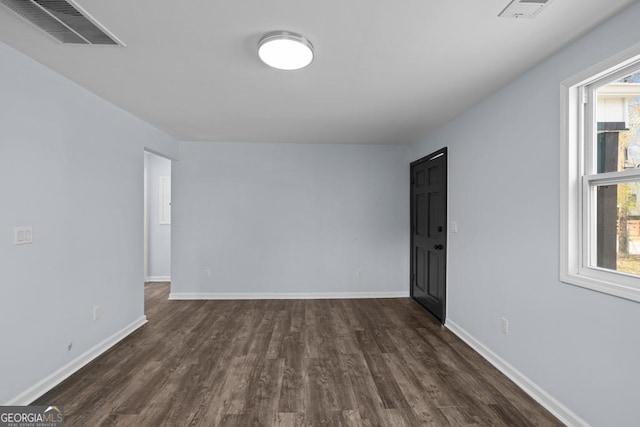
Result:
[
  {"x": 524, "y": 8},
  {"x": 63, "y": 20}
]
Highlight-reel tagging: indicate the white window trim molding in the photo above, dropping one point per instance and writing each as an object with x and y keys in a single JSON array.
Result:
[{"x": 572, "y": 268}]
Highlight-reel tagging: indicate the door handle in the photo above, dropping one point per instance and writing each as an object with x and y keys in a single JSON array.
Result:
[{"x": 438, "y": 247}]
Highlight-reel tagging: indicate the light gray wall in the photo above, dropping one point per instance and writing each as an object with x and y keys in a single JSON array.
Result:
[
  {"x": 72, "y": 167},
  {"x": 159, "y": 234},
  {"x": 290, "y": 218},
  {"x": 581, "y": 346}
]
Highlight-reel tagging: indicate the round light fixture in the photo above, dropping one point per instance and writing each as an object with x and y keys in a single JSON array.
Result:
[{"x": 285, "y": 50}]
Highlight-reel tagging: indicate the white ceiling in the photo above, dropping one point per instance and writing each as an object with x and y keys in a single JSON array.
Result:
[{"x": 384, "y": 71}]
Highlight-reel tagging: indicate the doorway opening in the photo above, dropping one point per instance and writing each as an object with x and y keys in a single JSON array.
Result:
[
  {"x": 157, "y": 219},
  {"x": 429, "y": 232}
]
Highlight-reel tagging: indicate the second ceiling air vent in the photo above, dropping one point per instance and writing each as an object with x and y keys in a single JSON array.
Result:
[
  {"x": 524, "y": 8},
  {"x": 63, "y": 20}
]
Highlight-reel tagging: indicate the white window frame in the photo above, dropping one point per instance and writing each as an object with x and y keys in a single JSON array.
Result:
[{"x": 578, "y": 179}]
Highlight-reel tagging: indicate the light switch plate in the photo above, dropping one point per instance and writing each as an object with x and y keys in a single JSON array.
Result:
[{"x": 23, "y": 235}]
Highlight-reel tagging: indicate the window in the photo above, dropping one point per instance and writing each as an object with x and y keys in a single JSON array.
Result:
[{"x": 600, "y": 174}]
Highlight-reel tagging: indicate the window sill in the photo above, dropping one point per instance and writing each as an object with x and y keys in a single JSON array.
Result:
[{"x": 603, "y": 285}]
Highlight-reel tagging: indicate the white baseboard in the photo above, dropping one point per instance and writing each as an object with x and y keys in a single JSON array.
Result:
[
  {"x": 40, "y": 388},
  {"x": 158, "y": 279},
  {"x": 563, "y": 413},
  {"x": 322, "y": 295}
]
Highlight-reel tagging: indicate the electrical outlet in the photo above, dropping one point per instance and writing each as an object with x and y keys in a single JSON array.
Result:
[
  {"x": 207, "y": 272},
  {"x": 359, "y": 273},
  {"x": 504, "y": 325},
  {"x": 97, "y": 312}
]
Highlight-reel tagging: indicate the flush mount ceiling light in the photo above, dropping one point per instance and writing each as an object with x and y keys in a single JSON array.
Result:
[{"x": 285, "y": 50}]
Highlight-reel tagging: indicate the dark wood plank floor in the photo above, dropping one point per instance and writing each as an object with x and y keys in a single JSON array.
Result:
[{"x": 376, "y": 362}]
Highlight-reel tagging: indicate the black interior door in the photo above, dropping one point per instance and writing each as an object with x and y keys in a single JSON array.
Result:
[{"x": 429, "y": 232}]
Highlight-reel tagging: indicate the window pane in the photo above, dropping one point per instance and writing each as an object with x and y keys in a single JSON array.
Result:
[
  {"x": 618, "y": 117},
  {"x": 618, "y": 227}
]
